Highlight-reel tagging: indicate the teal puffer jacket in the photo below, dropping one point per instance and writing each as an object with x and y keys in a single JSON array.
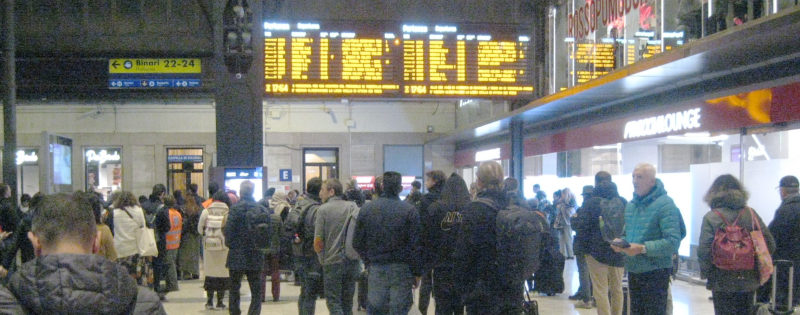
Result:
[{"x": 655, "y": 221}]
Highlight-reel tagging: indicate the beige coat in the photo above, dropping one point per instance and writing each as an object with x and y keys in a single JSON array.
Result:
[{"x": 213, "y": 261}]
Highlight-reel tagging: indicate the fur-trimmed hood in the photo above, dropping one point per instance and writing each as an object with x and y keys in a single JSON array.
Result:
[{"x": 731, "y": 199}]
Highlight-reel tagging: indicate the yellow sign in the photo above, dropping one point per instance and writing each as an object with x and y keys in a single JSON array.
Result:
[{"x": 161, "y": 65}]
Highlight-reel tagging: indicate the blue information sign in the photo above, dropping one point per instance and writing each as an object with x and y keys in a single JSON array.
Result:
[
  {"x": 286, "y": 175},
  {"x": 152, "y": 83}
]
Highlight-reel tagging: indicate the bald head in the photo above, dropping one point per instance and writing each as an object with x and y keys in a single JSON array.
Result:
[{"x": 644, "y": 179}]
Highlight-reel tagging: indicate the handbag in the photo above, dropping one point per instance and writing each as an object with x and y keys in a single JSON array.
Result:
[
  {"x": 763, "y": 258},
  {"x": 147, "y": 242}
]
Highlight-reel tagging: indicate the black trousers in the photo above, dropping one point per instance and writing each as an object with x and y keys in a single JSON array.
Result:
[
  {"x": 425, "y": 290},
  {"x": 732, "y": 302},
  {"x": 648, "y": 291},
  {"x": 254, "y": 280},
  {"x": 448, "y": 298}
]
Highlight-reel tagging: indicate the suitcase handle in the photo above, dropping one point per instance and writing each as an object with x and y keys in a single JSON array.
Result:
[{"x": 789, "y": 264}]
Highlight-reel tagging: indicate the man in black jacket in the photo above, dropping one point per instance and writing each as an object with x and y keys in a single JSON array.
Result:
[
  {"x": 311, "y": 278},
  {"x": 605, "y": 266},
  {"x": 484, "y": 291},
  {"x": 244, "y": 255},
  {"x": 784, "y": 228},
  {"x": 386, "y": 238},
  {"x": 429, "y": 232},
  {"x": 66, "y": 277}
]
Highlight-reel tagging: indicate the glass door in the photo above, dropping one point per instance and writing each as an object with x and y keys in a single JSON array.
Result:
[
  {"x": 320, "y": 162},
  {"x": 185, "y": 167}
]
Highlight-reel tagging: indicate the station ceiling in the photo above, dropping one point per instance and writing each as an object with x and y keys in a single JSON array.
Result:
[{"x": 760, "y": 54}]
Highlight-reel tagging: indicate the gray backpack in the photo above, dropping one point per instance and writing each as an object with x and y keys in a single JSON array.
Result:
[{"x": 350, "y": 232}]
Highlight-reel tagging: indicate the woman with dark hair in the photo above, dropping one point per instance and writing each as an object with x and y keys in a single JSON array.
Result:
[
  {"x": 210, "y": 226},
  {"x": 180, "y": 202},
  {"x": 189, "y": 252},
  {"x": 446, "y": 212},
  {"x": 106, "y": 238},
  {"x": 732, "y": 290}
]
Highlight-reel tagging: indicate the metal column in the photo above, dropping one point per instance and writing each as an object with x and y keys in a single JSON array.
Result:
[
  {"x": 517, "y": 151},
  {"x": 9, "y": 101}
]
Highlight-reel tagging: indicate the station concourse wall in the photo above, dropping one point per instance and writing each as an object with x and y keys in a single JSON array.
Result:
[{"x": 145, "y": 131}]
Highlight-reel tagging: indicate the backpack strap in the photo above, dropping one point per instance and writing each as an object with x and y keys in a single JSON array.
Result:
[
  {"x": 303, "y": 215},
  {"x": 735, "y": 222},
  {"x": 754, "y": 221}
]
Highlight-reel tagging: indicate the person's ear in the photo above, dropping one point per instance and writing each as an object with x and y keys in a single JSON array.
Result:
[
  {"x": 96, "y": 243},
  {"x": 37, "y": 246}
]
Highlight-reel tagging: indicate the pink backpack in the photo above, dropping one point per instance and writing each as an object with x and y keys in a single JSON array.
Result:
[{"x": 733, "y": 248}]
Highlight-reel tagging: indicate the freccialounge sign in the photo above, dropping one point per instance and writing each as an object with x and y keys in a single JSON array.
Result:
[{"x": 583, "y": 20}]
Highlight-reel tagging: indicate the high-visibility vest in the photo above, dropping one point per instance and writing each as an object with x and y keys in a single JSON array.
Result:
[{"x": 175, "y": 227}]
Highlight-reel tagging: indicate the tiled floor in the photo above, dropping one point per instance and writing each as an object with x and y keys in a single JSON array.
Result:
[{"x": 687, "y": 299}]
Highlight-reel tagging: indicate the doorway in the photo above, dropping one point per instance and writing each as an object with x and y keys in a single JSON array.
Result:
[
  {"x": 184, "y": 167},
  {"x": 320, "y": 162}
]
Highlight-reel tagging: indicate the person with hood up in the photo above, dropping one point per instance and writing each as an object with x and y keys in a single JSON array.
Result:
[{"x": 733, "y": 290}]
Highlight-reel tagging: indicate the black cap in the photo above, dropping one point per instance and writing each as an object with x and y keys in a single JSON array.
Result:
[
  {"x": 587, "y": 190},
  {"x": 789, "y": 182}
]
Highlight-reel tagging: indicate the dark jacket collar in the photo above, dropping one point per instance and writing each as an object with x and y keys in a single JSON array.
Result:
[{"x": 496, "y": 195}]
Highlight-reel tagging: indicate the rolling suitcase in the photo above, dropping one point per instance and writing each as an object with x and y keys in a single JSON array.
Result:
[{"x": 772, "y": 308}]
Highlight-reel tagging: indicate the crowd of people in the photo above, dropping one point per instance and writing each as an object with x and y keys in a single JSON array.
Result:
[{"x": 75, "y": 253}]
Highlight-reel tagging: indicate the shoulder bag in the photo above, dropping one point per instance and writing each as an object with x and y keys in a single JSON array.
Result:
[{"x": 763, "y": 258}]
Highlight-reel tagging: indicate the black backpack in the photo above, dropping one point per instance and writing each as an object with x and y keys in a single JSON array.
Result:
[
  {"x": 519, "y": 240},
  {"x": 258, "y": 228},
  {"x": 612, "y": 218},
  {"x": 305, "y": 231}
]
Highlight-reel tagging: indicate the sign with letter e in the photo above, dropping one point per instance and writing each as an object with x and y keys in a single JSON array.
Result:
[{"x": 286, "y": 175}]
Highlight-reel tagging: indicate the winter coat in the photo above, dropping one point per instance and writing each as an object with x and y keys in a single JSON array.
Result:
[
  {"x": 429, "y": 227},
  {"x": 730, "y": 204},
  {"x": 784, "y": 227},
  {"x": 214, "y": 260},
  {"x": 587, "y": 224},
  {"x": 387, "y": 232},
  {"x": 127, "y": 230},
  {"x": 244, "y": 253},
  {"x": 75, "y": 284},
  {"x": 476, "y": 257},
  {"x": 652, "y": 220}
]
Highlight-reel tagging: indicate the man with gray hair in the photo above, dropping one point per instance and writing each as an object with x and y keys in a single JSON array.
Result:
[
  {"x": 339, "y": 271},
  {"x": 247, "y": 249},
  {"x": 652, "y": 234},
  {"x": 787, "y": 236}
]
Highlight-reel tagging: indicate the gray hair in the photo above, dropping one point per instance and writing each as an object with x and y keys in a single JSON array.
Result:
[{"x": 246, "y": 188}]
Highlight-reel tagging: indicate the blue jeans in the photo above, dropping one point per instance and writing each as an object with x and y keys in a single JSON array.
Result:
[
  {"x": 340, "y": 286},
  {"x": 389, "y": 289},
  {"x": 311, "y": 286}
]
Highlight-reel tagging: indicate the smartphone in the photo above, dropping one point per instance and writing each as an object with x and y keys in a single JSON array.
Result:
[{"x": 621, "y": 243}]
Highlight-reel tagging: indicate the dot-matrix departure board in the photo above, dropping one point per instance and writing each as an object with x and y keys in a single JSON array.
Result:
[{"x": 379, "y": 59}]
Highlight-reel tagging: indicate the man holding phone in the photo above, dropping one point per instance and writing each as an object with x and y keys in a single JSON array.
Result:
[{"x": 652, "y": 235}]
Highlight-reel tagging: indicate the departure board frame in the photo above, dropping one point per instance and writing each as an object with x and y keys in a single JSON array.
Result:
[{"x": 388, "y": 59}]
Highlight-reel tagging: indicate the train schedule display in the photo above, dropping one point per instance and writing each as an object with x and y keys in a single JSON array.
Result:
[{"x": 408, "y": 60}]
